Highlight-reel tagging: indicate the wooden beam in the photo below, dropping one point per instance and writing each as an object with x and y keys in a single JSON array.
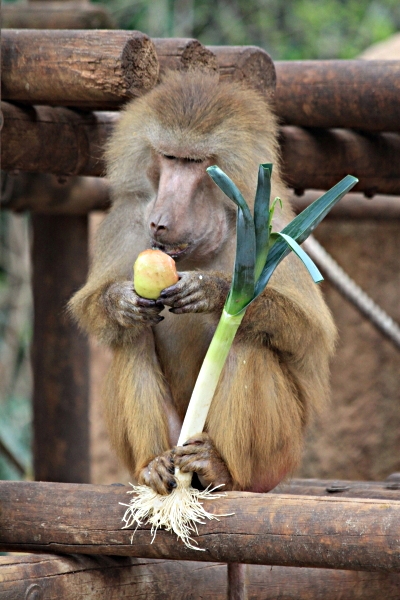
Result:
[
  {"x": 60, "y": 356},
  {"x": 111, "y": 578},
  {"x": 354, "y": 206},
  {"x": 357, "y": 94},
  {"x": 389, "y": 489},
  {"x": 48, "y": 194},
  {"x": 53, "y": 195},
  {"x": 319, "y": 158},
  {"x": 272, "y": 529},
  {"x": 93, "y": 69},
  {"x": 77, "y": 14},
  {"x": 54, "y": 140},
  {"x": 183, "y": 54},
  {"x": 247, "y": 64},
  {"x": 76, "y": 68},
  {"x": 65, "y": 142}
]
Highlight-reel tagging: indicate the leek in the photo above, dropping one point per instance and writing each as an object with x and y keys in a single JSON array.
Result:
[{"x": 258, "y": 253}]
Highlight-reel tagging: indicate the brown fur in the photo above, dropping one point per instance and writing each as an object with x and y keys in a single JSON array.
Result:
[{"x": 277, "y": 371}]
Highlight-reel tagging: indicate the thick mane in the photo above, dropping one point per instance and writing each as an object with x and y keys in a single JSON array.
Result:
[{"x": 194, "y": 115}]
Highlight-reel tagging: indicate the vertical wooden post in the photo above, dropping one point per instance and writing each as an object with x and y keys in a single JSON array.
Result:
[
  {"x": 237, "y": 581},
  {"x": 60, "y": 351}
]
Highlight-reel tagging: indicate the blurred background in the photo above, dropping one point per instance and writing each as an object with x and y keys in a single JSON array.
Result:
[{"x": 294, "y": 29}]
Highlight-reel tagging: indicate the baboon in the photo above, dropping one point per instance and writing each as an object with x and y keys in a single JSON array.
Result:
[{"x": 276, "y": 374}]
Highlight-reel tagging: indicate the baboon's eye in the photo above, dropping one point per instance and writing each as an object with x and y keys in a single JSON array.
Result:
[
  {"x": 193, "y": 160},
  {"x": 186, "y": 159}
]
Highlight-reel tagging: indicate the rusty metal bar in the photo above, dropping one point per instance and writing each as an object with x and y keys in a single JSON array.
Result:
[{"x": 357, "y": 94}]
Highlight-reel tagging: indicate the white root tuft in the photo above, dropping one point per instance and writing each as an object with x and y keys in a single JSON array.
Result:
[{"x": 180, "y": 511}]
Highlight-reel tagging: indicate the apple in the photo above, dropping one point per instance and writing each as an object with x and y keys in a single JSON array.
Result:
[{"x": 153, "y": 271}]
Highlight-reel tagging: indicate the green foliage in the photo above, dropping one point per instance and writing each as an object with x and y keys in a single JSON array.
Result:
[
  {"x": 16, "y": 434},
  {"x": 295, "y": 29},
  {"x": 15, "y": 336}
]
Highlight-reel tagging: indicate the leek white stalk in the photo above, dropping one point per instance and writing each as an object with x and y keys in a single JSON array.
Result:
[
  {"x": 181, "y": 510},
  {"x": 209, "y": 374}
]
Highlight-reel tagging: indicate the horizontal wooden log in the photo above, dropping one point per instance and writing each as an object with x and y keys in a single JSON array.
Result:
[
  {"x": 55, "y": 15},
  {"x": 273, "y": 529},
  {"x": 48, "y": 81},
  {"x": 248, "y": 64},
  {"x": 354, "y": 206},
  {"x": 49, "y": 194},
  {"x": 55, "y": 195},
  {"x": 356, "y": 94},
  {"x": 183, "y": 54},
  {"x": 389, "y": 489},
  {"x": 319, "y": 158},
  {"x": 54, "y": 140},
  {"x": 77, "y": 68},
  {"x": 113, "y": 578},
  {"x": 65, "y": 142}
]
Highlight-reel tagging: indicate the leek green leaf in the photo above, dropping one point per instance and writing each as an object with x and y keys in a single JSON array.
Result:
[
  {"x": 308, "y": 262},
  {"x": 301, "y": 227},
  {"x": 262, "y": 216},
  {"x": 242, "y": 288}
]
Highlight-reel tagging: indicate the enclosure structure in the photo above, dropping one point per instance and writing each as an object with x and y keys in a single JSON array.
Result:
[{"x": 351, "y": 528}]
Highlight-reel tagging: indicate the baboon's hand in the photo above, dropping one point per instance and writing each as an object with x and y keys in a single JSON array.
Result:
[
  {"x": 159, "y": 474},
  {"x": 128, "y": 309},
  {"x": 199, "y": 455},
  {"x": 197, "y": 292}
]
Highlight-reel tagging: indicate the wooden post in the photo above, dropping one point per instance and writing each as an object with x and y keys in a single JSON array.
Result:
[
  {"x": 76, "y": 68},
  {"x": 237, "y": 588},
  {"x": 60, "y": 351}
]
